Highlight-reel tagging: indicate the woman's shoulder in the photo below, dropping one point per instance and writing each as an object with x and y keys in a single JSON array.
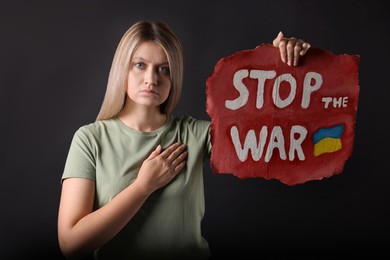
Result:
[
  {"x": 190, "y": 120},
  {"x": 96, "y": 127},
  {"x": 191, "y": 124}
]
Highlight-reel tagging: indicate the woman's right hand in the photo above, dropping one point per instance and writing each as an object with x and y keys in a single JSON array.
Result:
[
  {"x": 161, "y": 167},
  {"x": 81, "y": 229}
]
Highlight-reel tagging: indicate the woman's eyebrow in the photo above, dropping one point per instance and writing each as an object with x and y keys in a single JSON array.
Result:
[{"x": 136, "y": 59}]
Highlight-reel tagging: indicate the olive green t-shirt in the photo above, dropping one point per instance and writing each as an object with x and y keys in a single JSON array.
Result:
[{"x": 168, "y": 225}]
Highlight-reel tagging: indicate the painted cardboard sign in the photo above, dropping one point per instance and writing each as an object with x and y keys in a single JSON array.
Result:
[{"x": 274, "y": 121}]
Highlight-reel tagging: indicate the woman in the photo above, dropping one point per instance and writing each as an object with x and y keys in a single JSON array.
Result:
[{"x": 132, "y": 186}]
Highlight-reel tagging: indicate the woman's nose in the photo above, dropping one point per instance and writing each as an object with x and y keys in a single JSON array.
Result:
[{"x": 151, "y": 77}]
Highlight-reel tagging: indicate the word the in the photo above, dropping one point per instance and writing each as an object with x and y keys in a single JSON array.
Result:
[{"x": 336, "y": 102}]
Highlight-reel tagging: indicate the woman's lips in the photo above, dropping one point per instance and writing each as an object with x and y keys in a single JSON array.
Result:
[{"x": 149, "y": 91}]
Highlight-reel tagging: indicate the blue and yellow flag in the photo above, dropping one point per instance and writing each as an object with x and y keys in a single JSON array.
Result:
[{"x": 327, "y": 140}]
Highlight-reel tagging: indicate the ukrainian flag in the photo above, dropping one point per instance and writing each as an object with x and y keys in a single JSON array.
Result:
[{"x": 327, "y": 140}]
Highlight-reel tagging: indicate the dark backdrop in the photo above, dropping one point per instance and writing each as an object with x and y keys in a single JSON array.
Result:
[{"x": 54, "y": 62}]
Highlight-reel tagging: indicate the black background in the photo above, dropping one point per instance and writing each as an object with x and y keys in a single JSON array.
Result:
[{"x": 54, "y": 62}]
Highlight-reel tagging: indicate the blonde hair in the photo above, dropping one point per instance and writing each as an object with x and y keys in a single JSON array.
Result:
[{"x": 158, "y": 32}]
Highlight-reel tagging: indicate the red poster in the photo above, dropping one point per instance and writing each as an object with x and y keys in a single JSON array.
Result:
[{"x": 274, "y": 121}]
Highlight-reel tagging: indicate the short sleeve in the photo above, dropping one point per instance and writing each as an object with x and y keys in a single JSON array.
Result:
[
  {"x": 201, "y": 129},
  {"x": 80, "y": 162},
  {"x": 208, "y": 141}
]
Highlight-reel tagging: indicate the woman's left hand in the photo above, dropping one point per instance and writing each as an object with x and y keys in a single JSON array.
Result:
[{"x": 291, "y": 49}]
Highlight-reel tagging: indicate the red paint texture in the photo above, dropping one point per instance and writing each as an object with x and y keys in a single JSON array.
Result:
[{"x": 339, "y": 75}]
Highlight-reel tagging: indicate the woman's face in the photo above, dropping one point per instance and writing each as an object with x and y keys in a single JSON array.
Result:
[{"x": 149, "y": 81}]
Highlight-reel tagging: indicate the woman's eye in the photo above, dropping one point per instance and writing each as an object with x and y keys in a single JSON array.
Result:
[
  {"x": 164, "y": 69},
  {"x": 139, "y": 65}
]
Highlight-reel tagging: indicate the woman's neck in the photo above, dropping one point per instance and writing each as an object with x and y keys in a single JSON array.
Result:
[{"x": 142, "y": 119}]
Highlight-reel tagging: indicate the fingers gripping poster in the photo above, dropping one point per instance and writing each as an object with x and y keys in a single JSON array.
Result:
[{"x": 274, "y": 121}]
